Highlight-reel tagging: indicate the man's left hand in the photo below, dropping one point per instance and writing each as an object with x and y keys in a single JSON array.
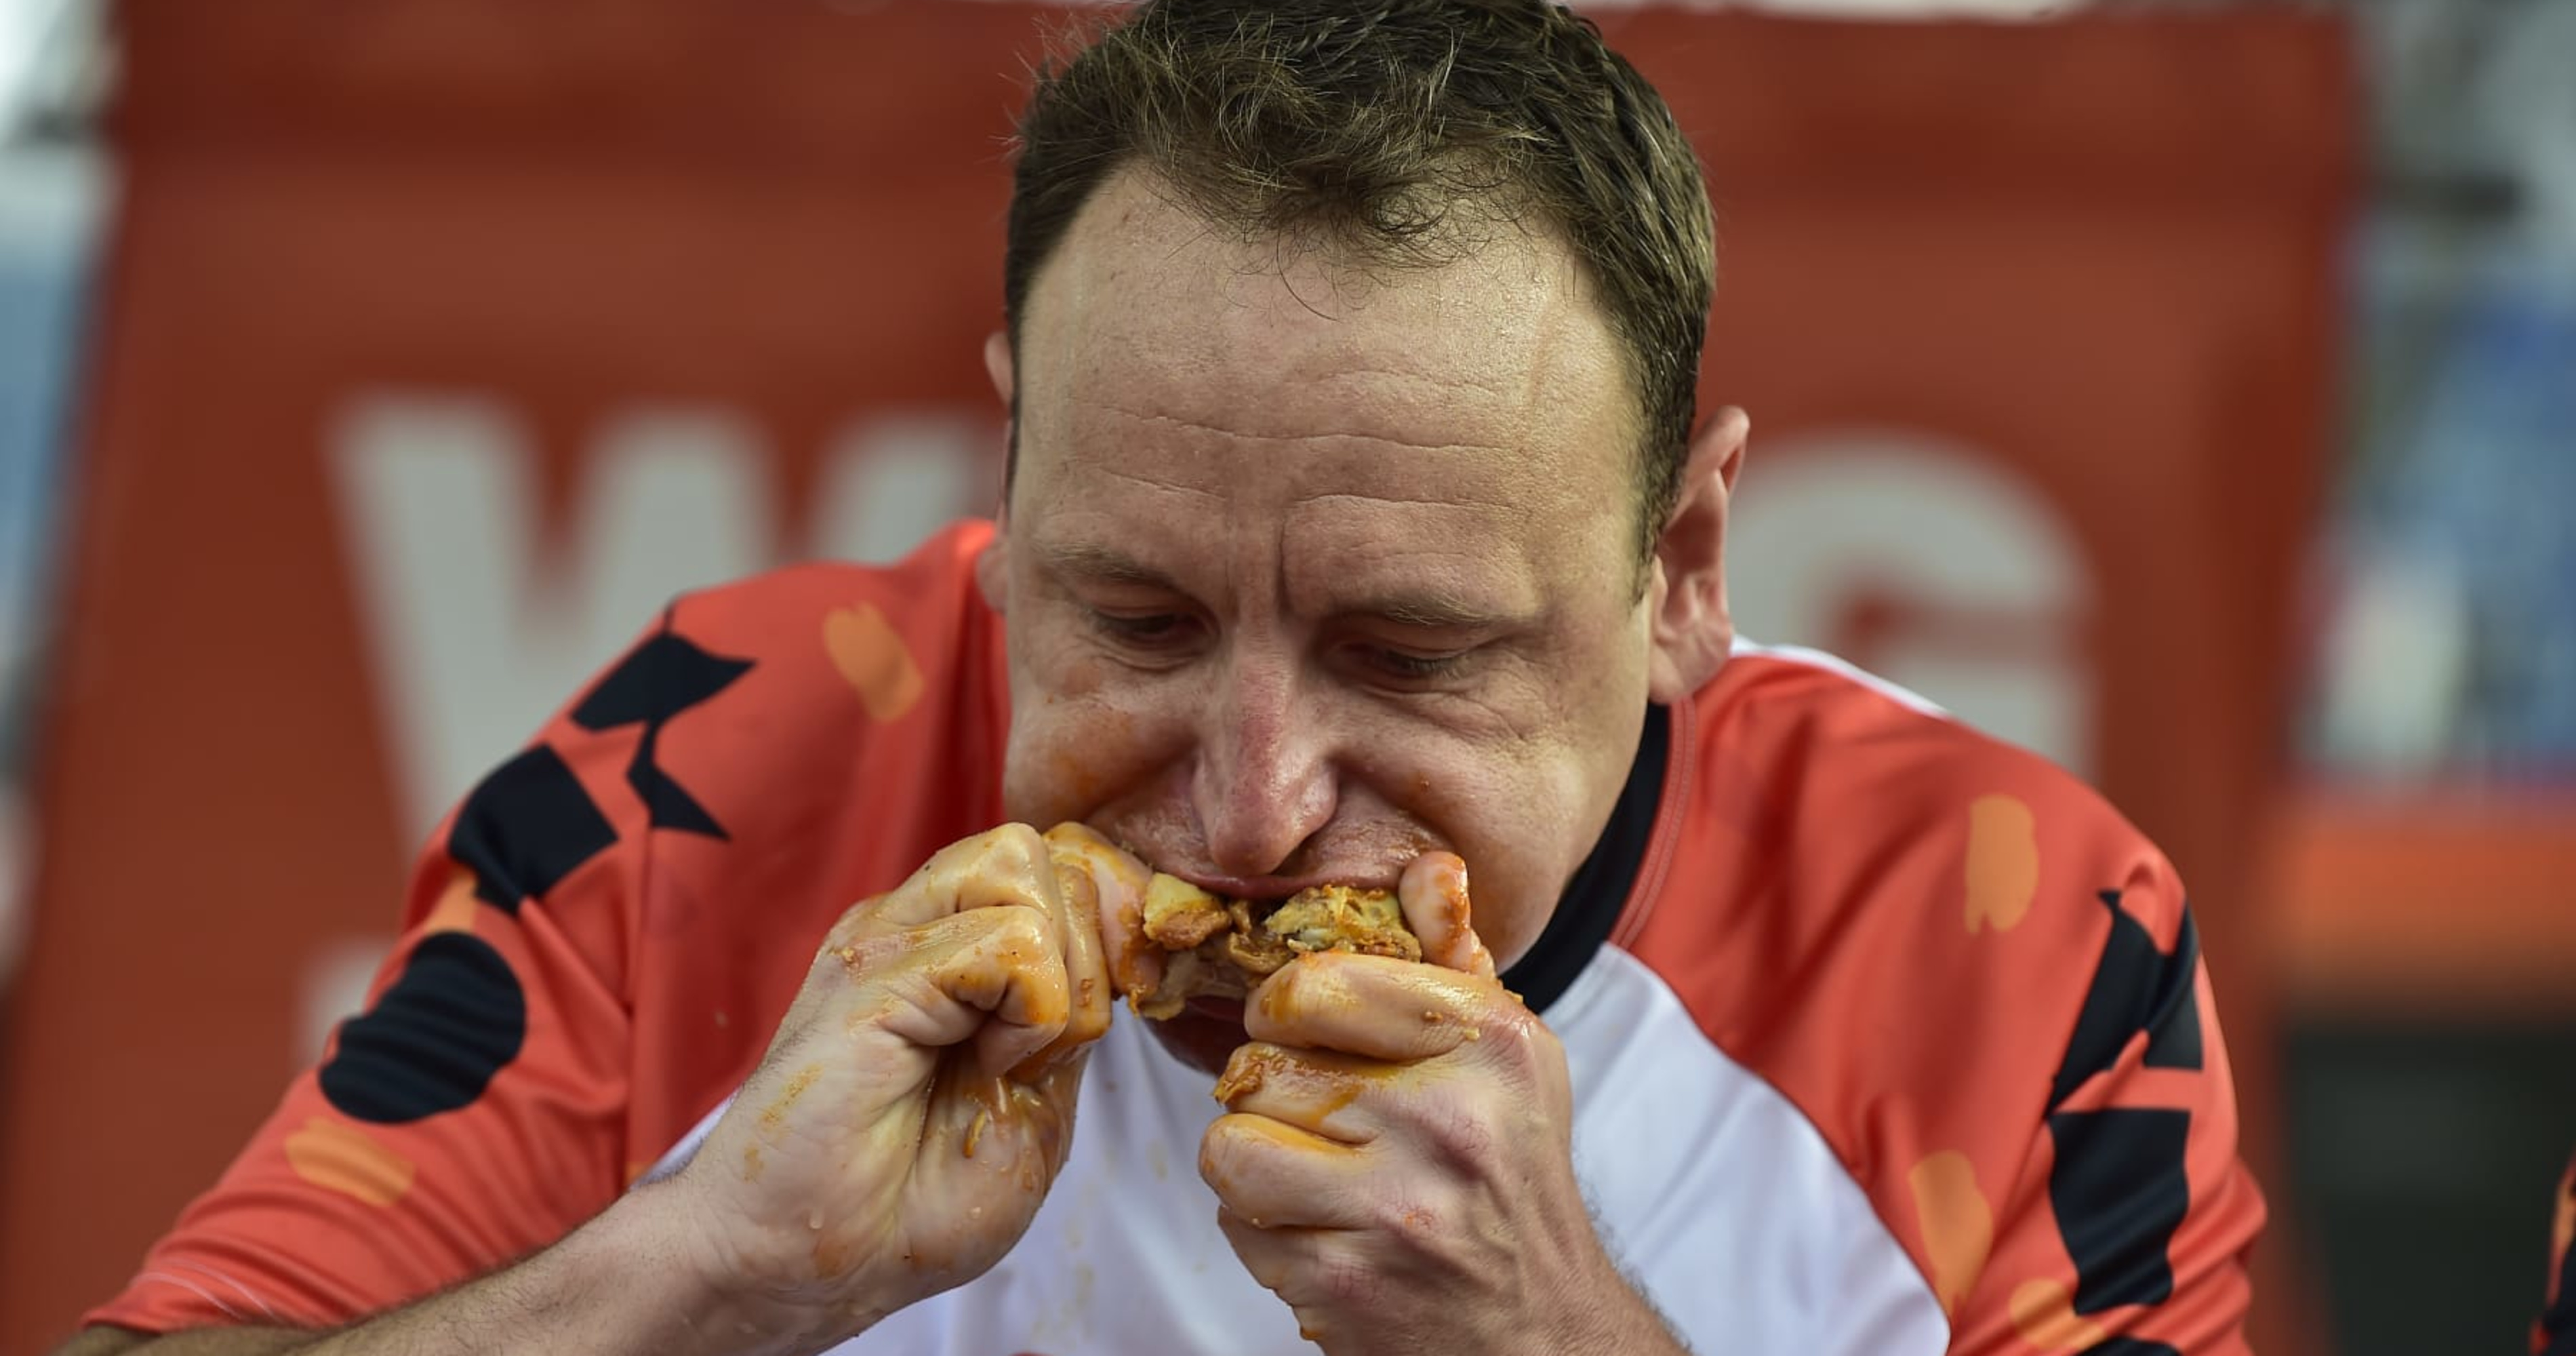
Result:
[{"x": 1397, "y": 1161}]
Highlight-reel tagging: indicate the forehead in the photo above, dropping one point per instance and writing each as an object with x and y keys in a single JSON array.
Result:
[{"x": 1233, "y": 364}]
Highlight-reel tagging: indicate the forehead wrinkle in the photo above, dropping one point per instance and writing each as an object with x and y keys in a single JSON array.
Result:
[
  {"x": 1489, "y": 362},
  {"x": 1099, "y": 467},
  {"x": 1424, "y": 573},
  {"x": 1316, "y": 435},
  {"x": 1444, "y": 384},
  {"x": 1456, "y": 500}
]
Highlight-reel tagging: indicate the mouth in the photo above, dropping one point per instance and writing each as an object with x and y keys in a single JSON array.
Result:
[
  {"x": 1226, "y": 1010},
  {"x": 1204, "y": 1036},
  {"x": 1257, "y": 889}
]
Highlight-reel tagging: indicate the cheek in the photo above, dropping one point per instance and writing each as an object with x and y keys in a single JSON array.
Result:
[
  {"x": 1071, "y": 756},
  {"x": 1521, "y": 844},
  {"x": 1515, "y": 814},
  {"x": 1080, "y": 738},
  {"x": 1078, "y": 676},
  {"x": 1525, "y": 810}
]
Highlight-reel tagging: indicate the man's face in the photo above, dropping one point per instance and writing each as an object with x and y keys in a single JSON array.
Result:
[{"x": 1308, "y": 571}]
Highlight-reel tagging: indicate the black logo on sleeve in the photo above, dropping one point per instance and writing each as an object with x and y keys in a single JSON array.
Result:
[
  {"x": 434, "y": 1040},
  {"x": 658, "y": 680}
]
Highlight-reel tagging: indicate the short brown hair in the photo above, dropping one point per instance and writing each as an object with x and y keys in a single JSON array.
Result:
[{"x": 1394, "y": 132}]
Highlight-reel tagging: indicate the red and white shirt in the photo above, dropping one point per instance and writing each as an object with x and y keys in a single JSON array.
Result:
[{"x": 1885, "y": 1037}]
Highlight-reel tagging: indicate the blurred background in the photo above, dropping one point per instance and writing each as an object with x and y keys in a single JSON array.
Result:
[{"x": 2186, "y": 390}]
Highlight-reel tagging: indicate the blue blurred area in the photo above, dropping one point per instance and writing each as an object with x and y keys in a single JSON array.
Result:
[
  {"x": 2492, "y": 487},
  {"x": 48, "y": 215},
  {"x": 50, "y": 199},
  {"x": 2449, "y": 654}
]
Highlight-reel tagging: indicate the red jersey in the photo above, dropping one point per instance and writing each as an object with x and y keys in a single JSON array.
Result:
[{"x": 1884, "y": 1036}]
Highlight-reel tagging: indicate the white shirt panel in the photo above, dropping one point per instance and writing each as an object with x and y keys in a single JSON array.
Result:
[{"x": 1717, "y": 1197}]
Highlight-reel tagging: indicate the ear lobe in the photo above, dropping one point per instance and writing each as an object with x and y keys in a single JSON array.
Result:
[
  {"x": 997, "y": 365},
  {"x": 1691, "y": 630},
  {"x": 1005, "y": 377},
  {"x": 993, "y": 570}
]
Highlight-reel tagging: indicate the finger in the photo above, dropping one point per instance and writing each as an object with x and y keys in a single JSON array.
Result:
[
  {"x": 1270, "y": 1255},
  {"x": 1275, "y": 1175},
  {"x": 1433, "y": 893},
  {"x": 1318, "y": 1091},
  {"x": 1377, "y": 1007},
  {"x": 1004, "y": 1121},
  {"x": 1134, "y": 962},
  {"x": 992, "y": 975},
  {"x": 1087, "y": 1008},
  {"x": 1007, "y": 865},
  {"x": 1293, "y": 1263},
  {"x": 1096, "y": 880}
]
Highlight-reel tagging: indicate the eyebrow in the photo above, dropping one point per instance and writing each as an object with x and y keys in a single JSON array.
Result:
[
  {"x": 1099, "y": 564},
  {"x": 1431, "y": 611}
]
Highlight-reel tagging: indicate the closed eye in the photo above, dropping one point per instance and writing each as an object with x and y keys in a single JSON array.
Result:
[
  {"x": 1409, "y": 667},
  {"x": 1149, "y": 634}
]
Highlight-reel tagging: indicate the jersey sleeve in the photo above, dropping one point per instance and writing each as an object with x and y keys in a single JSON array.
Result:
[
  {"x": 2125, "y": 1229},
  {"x": 599, "y": 940},
  {"x": 473, "y": 1113},
  {"x": 1981, "y": 986}
]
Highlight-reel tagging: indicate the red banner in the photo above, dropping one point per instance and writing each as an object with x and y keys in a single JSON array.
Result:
[{"x": 443, "y": 339}]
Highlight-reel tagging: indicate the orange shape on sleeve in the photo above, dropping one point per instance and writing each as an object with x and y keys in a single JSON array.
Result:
[
  {"x": 341, "y": 1158},
  {"x": 2003, "y": 862},
  {"x": 873, "y": 658},
  {"x": 1958, "y": 1225}
]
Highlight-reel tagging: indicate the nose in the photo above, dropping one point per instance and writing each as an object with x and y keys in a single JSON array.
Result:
[{"x": 1263, "y": 785}]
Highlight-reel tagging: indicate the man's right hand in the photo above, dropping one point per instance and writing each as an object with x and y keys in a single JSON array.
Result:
[
  {"x": 895, "y": 1142},
  {"x": 919, "y": 1097}
]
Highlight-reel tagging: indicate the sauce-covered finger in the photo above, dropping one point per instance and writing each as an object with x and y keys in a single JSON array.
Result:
[
  {"x": 1433, "y": 893},
  {"x": 1317, "y": 1091},
  {"x": 992, "y": 975},
  {"x": 1376, "y": 1007},
  {"x": 1273, "y": 1175},
  {"x": 1096, "y": 881},
  {"x": 1132, "y": 961},
  {"x": 1006, "y": 865}
]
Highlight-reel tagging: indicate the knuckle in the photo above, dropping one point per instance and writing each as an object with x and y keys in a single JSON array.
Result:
[
  {"x": 1347, "y": 1280},
  {"x": 1018, "y": 927},
  {"x": 1219, "y": 1152},
  {"x": 864, "y": 952},
  {"x": 1231, "y": 1157},
  {"x": 855, "y": 922},
  {"x": 1518, "y": 1039},
  {"x": 1013, "y": 849},
  {"x": 1460, "y": 1134},
  {"x": 1089, "y": 1021},
  {"x": 1395, "y": 1212}
]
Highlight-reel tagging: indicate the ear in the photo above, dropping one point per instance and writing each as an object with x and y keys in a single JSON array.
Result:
[
  {"x": 1687, "y": 595},
  {"x": 997, "y": 364},
  {"x": 993, "y": 567},
  {"x": 993, "y": 571}
]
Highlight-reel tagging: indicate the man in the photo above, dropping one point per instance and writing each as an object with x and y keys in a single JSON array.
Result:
[{"x": 1357, "y": 530}]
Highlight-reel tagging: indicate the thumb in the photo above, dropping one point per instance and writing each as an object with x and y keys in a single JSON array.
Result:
[
  {"x": 1433, "y": 893},
  {"x": 992, "y": 975}
]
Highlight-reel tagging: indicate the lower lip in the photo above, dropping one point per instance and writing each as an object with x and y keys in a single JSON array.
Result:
[{"x": 1219, "y": 1009}]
